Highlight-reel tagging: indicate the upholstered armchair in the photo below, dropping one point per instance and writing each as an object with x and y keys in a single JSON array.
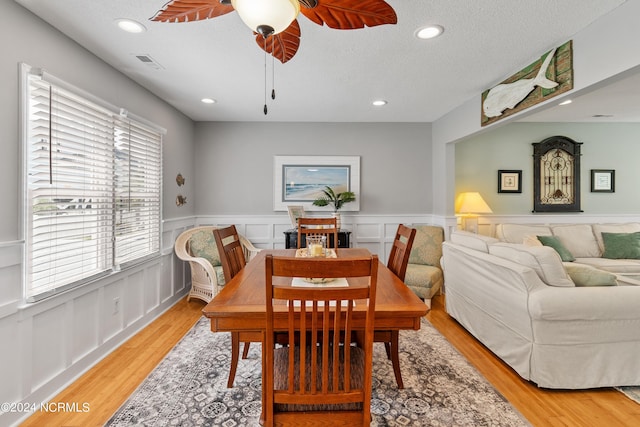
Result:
[
  {"x": 424, "y": 274},
  {"x": 198, "y": 247}
]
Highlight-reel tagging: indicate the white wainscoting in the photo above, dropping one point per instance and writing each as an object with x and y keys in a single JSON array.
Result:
[
  {"x": 48, "y": 344},
  {"x": 374, "y": 232}
]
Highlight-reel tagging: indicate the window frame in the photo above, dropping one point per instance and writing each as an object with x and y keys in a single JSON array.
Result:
[{"x": 139, "y": 152}]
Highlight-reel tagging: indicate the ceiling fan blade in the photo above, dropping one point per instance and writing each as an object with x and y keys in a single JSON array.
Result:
[
  {"x": 285, "y": 44},
  {"x": 351, "y": 14},
  {"x": 191, "y": 10}
]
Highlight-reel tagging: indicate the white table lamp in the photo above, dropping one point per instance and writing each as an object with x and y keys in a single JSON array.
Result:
[{"x": 468, "y": 206}]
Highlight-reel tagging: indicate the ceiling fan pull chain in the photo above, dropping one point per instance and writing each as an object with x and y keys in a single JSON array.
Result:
[
  {"x": 265, "y": 75},
  {"x": 273, "y": 68}
]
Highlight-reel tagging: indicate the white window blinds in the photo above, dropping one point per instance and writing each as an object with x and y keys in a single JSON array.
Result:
[{"x": 93, "y": 181}]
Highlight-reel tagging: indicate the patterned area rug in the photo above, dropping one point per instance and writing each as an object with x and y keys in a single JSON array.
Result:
[{"x": 188, "y": 388}]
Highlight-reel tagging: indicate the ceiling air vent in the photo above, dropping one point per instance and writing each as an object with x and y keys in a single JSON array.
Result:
[{"x": 149, "y": 62}]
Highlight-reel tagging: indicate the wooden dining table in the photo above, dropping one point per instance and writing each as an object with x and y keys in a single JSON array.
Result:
[{"x": 241, "y": 304}]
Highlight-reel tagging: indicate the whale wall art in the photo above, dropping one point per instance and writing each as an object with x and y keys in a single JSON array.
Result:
[{"x": 549, "y": 76}]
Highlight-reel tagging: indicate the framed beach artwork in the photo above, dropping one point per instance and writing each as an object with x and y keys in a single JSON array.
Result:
[{"x": 299, "y": 180}]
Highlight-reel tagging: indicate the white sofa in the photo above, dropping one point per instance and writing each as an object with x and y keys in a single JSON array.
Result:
[
  {"x": 519, "y": 301},
  {"x": 583, "y": 241}
]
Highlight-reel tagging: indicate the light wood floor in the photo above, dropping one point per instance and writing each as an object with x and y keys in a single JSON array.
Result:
[{"x": 106, "y": 386}]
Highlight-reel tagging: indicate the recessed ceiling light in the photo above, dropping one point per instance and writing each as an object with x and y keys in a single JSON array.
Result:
[
  {"x": 379, "y": 102},
  {"x": 567, "y": 102},
  {"x": 130, "y": 26},
  {"x": 208, "y": 100},
  {"x": 429, "y": 32}
]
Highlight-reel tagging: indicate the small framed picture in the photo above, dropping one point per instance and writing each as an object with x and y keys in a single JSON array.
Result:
[
  {"x": 603, "y": 181},
  {"x": 295, "y": 212},
  {"x": 509, "y": 181}
]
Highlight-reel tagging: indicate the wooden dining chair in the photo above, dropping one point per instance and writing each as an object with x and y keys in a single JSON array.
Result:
[
  {"x": 311, "y": 227},
  {"x": 324, "y": 379},
  {"x": 232, "y": 258},
  {"x": 398, "y": 260}
]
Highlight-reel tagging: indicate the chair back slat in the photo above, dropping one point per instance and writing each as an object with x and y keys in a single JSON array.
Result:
[
  {"x": 321, "y": 367},
  {"x": 230, "y": 250},
  {"x": 400, "y": 251},
  {"x": 311, "y": 227}
]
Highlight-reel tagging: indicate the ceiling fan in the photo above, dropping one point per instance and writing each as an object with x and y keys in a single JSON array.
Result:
[{"x": 283, "y": 42}]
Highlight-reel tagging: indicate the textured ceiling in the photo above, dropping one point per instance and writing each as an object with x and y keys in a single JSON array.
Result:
[{"x": 336, "y": 74}]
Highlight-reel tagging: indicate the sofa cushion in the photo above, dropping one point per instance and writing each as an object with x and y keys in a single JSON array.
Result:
[
  {"x": 555, "y": 243},
  {"x": 613, "y": 265},
  {"x": 472, "y": 240},
  {"x": 422, "y": 276},
  {"x": 585, "y": 275},
  {"x": 515, "y": 233},
  {"x": 621, "y": 245},
  {"x": 202, "y": 244},
  {"x": 544, "y": 260},
  {"x": 427, "y": 245},
  {"x": 579, "y": 239},
  {"x": 598, "y": 229}
]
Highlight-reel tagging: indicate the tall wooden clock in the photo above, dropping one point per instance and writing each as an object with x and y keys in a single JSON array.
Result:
[{"x": 556, "y": 175}]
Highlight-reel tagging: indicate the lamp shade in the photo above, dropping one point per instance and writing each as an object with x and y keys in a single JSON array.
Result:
[
  {"x": 471, "y": 203},
  {"x": 274, "y": 14}
]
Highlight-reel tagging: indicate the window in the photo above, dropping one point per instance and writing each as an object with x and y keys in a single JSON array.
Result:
[{"x": 92, "y": 183}]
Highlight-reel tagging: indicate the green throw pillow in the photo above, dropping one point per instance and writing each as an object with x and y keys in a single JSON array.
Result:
[
  {"x": 583, "y": 275},
  {"x": 621, "y": 245},
  {"x": 554, "y": 242}
]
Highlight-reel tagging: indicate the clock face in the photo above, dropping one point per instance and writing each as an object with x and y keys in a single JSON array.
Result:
[{"x": 556, "y": 163}]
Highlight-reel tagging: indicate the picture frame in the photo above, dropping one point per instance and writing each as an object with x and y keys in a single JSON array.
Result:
[
  {"x": 510, "y": 181},
  {"x": 299, "y": 180},
  {"x": 295, "y": 212},
  {"x": 603, "y": 180}
]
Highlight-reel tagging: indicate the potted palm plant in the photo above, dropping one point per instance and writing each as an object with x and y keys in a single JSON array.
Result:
[{"x": 337, "y": 200}]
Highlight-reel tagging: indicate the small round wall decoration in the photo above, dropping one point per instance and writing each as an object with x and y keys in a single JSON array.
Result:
[
  {"x": 180, "y": 200},
  {"x": 180, "y": 180}
]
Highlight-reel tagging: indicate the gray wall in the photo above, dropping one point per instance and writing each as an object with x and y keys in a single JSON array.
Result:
[
  {"x": 234, "y": 163},
  {"x": 26, "y": 38},
  {"x": 48, "y": 344},
  {"x": 605, "y": 146}
]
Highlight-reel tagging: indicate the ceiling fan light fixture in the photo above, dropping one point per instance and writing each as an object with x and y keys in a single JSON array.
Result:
[{"x": 267, "y": 16}]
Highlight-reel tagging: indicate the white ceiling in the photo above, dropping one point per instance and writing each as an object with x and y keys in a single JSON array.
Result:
[{"x": 336, "y": 74}]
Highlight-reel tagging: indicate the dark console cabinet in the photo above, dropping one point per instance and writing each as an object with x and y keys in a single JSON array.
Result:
[{"x": 291, "y": 239}]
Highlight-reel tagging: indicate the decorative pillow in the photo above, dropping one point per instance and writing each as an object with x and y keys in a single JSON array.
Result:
[
  {"x": 598, "y": 229},
  {"x": 621, "y": 245},
  {"x": 544, "y": 260},
  {"x": 531, "y": 240},
  {"x": 202, "y": 244},
  {"x": 427, "y": 245},
  {"x": 555, "y": 243},
  {"x": 585, "y": 275}
]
